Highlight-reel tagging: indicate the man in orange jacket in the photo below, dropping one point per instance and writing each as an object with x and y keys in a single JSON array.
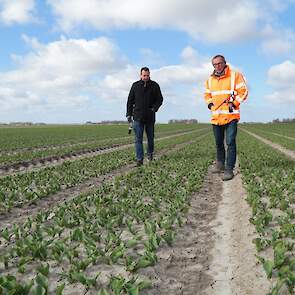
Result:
[{"x": 224, "y": 91}]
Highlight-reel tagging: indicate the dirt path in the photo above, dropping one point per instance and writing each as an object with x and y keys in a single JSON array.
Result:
[
  {"x": 213, "y": 252},
  {"x": 182, "y": 269},
  {"x": 285, "y": 136},
  {"x": 276, "y": 146},
  {"x": 37, "y": 164},
  {"x": 234, "y": 268}
]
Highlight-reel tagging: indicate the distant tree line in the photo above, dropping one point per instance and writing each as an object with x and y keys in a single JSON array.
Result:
[
  {"x": 185, "y": 121},
  {"x": 288, "y": 120}
]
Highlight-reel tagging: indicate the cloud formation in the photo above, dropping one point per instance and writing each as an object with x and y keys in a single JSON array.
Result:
[
  {"x": 281, "y": 78},
  {"x": 15, "y": 11},
  {"x": 57, "y": 74},
  {"x": 233, "y": 20},
  {"x": 72, "y": 73}
]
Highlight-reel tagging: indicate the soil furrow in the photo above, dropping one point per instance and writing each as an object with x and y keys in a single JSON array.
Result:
[
  {"x": 276, "y": 146},
  {"x": 18, "y": 215},
  {"x": 36, "y": 164}
]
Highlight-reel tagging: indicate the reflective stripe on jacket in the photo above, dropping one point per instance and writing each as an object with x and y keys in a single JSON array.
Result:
[{"x": 219, "y": 89}]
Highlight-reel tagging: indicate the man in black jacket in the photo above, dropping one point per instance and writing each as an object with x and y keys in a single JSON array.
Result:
[{"x": 144, "y": 100}]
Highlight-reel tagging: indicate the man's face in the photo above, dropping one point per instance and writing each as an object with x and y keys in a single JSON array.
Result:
[
  {"x": 145, "y": 76},
  {"x": 218, "y": 64}
]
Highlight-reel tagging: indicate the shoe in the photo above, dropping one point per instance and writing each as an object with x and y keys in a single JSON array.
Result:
[
  {"x": 219, "y": 167},
  {"x": 228, "y": 175},
  {"x": 139, "y": 163},
  {"x": 150, "y": 157}
]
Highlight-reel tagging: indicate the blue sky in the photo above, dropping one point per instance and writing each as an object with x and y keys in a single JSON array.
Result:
[{"x": 71, "y": 61}]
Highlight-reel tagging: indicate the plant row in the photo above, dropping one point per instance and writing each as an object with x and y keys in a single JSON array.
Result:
[
  {"x": 56, "y": 151},
  {"x": 26, "y": 188},
  {"x": 275, "y": 134},
  {"x": 102, "y": 241},
  {"x": 269, "y": 179},
  {"x": 14, "y": 138}
]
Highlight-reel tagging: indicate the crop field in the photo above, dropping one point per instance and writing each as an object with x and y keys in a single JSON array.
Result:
[{"x": 78, "y": 217}]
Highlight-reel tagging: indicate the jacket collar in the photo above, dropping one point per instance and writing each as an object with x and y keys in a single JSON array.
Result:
[
  {"x": 225, "y": 72},
  {"x": 148, "y": 81}
]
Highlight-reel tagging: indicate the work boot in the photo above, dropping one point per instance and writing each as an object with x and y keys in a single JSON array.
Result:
[
  {"x": 228, "y": 174},
  {"x": 150, "y": 157},
  {"x": 218, "y": 168},
  {"x": 139, "y": 163}
]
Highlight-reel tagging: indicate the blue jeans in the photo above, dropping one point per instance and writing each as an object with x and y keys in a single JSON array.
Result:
[
  {"x": 230, "y": 131},
  {"x": 139, "y": 127}
]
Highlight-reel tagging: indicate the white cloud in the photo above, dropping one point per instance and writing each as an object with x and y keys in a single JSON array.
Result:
[
  {"x": 72, "y": 74},
  {"x": 281, "y": 78},
  {"x": 231, "y": 21},
  {"x": 17, "y": 11},
  {"x": 58, "y": 74},
  {"x": 277, "y": 41}
]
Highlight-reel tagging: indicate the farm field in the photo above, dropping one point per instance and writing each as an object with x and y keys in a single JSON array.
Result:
[
  {"x": 77, "y": 216},
  {"x": 283, "y": 134}
]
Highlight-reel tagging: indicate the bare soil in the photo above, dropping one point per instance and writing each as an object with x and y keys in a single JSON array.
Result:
[{"x": 213, "y": 252}]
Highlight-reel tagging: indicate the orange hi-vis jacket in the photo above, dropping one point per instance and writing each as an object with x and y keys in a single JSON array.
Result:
[{"x": 219, "y": 90}]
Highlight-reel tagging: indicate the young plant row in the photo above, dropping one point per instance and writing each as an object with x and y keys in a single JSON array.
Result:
[
  {"x": 269, "y": 179},
  {"x": 101, "y": 242},
  {"x": 15, "y": 138},
  {"x": 64, "y": 150},
  {"x": 25, "y": 188},
  {"x": 275, "y": 134}
]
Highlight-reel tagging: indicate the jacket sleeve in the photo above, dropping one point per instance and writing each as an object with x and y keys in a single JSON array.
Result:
[
  {"x": 130, "y": 102},
  {"x": 241, "y": 89},
  {"x": 159, "y": 99},
  {"x": 207, "y": 93}
]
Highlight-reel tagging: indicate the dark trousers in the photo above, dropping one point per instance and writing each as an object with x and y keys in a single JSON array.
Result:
[
  {"x": 139, "y": 128},
  {"x": 230, "y": 131}
]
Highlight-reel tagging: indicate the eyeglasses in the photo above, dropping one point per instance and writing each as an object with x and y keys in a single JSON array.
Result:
[{"x": 218, "y": 64}]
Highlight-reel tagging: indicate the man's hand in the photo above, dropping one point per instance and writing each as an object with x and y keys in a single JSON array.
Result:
[
  {"x": 129, "y": 119},
  {"x": 210, "y": 105}
]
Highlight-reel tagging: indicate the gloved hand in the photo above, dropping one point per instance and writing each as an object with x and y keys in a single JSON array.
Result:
[
  {"x": 210, "y": 105},
  {"x": 129, "y": 119}
]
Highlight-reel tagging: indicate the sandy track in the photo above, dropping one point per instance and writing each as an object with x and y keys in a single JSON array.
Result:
[
  {"x": 276, "y": 146},
  {"x": 234, "y": 268}
]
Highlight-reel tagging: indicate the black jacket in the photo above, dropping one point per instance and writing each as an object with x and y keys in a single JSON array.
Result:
[{"x": 144, "y": 101}]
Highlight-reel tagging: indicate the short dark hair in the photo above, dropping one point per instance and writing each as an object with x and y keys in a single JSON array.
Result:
[
  {"x": 218, "y": 55},
  {"x": 146, "y": 69}
]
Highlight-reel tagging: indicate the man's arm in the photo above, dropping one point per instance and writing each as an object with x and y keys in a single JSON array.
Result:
[
  {"x": 241, "y": 89},
  {"x": 159, "y": 100},
  {"x": 208, "y": 96},
  {"x": 130, "y": 102}
]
